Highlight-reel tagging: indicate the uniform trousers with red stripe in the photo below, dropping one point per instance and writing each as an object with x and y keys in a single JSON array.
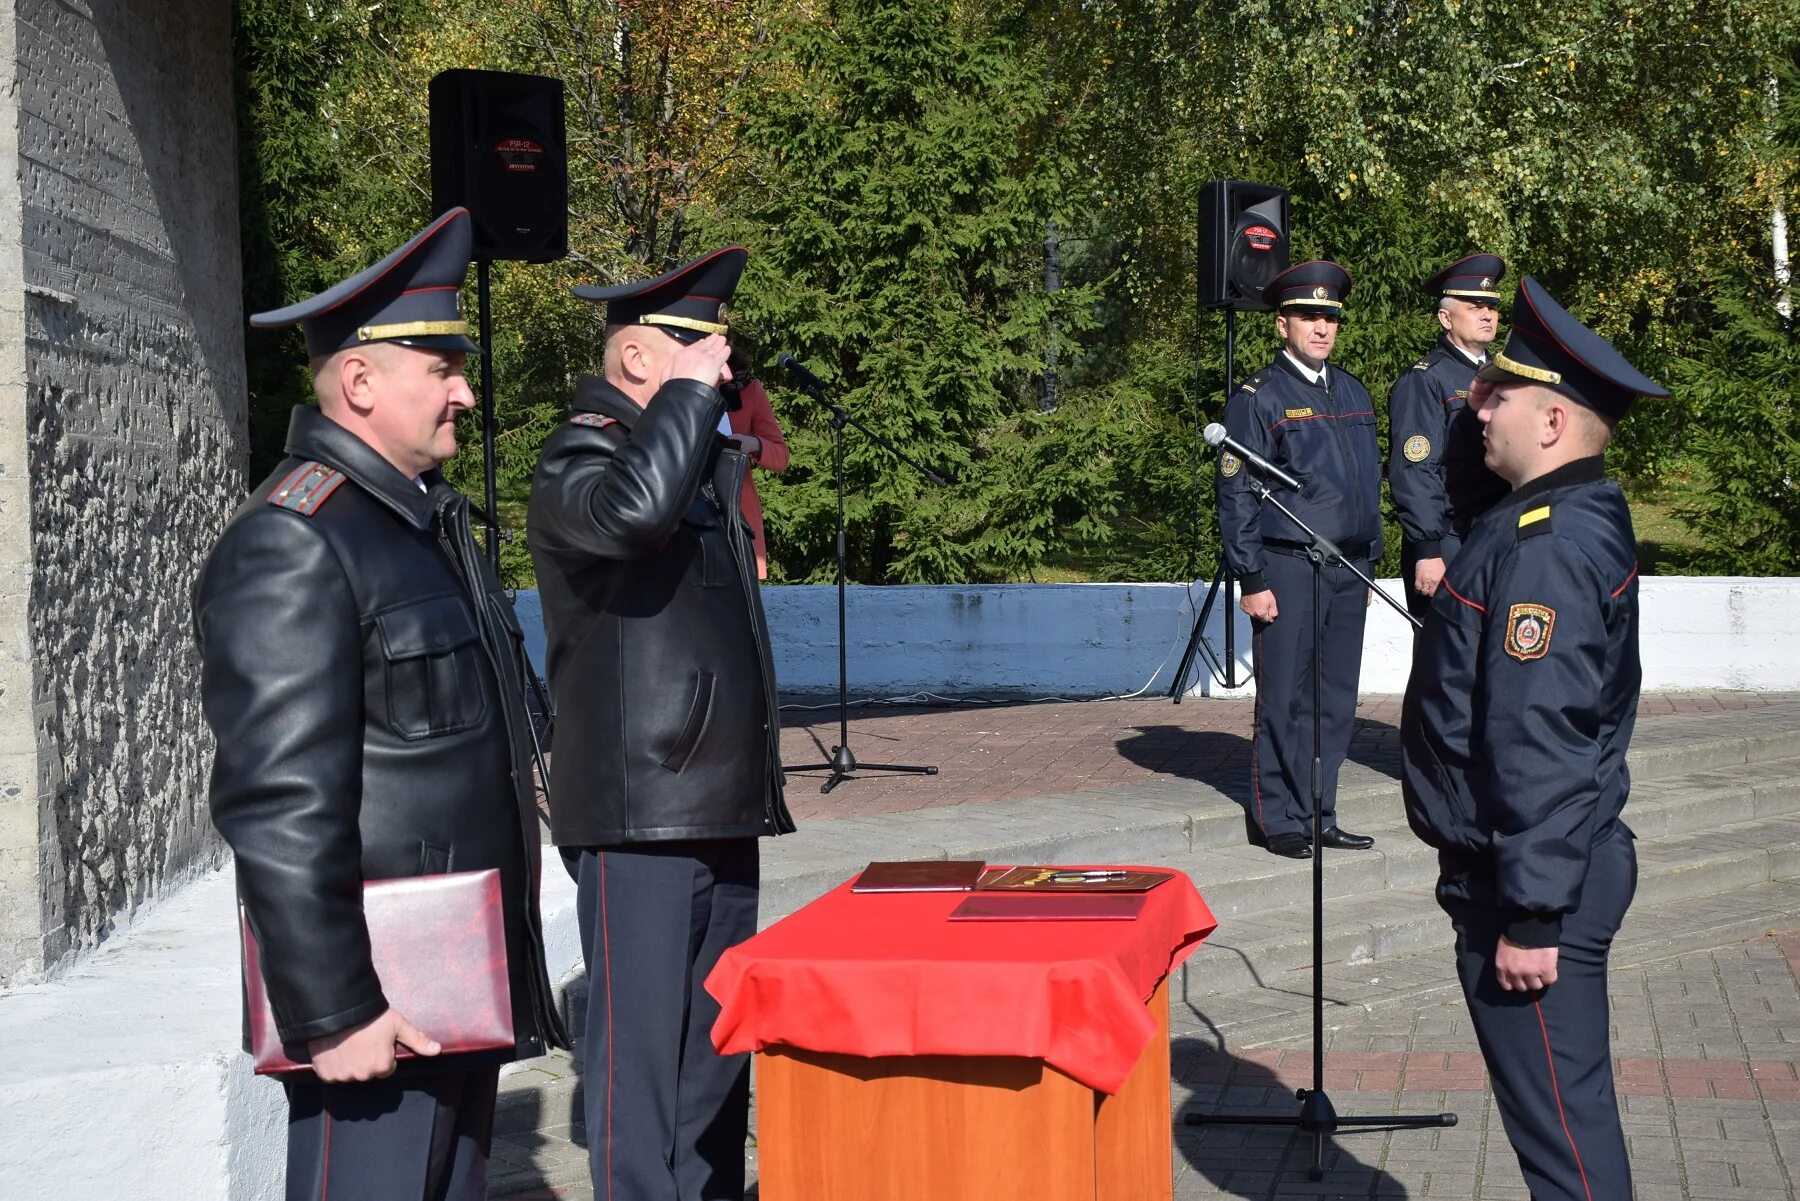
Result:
[
  {"x": 666, "y": 1115},
  {"x": 1549, "y": 1053},
  {"x": 1281, "y": 756},
  {"x": 423, "y": 1132}
]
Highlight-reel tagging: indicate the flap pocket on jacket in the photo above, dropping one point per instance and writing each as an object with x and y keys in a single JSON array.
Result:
[
  {"x": 431, "y": 627},
  {"x": 434, "y": 681},
  {"x": 433, "y": 860},
  {"x": 692, "y": 730}
]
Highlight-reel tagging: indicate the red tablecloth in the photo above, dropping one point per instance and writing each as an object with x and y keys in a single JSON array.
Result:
[{"x": 887, "y": 974}]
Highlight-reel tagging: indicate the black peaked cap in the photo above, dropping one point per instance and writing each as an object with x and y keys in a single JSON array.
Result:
[
  {"x": 413, "y": 297},
  {"x": 1548, "y": 346}
]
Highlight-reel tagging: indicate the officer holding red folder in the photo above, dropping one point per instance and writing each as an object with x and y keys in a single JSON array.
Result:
[{"x": 360, "y": 672}]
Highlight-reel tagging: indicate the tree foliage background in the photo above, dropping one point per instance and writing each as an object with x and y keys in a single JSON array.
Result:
[{"x": 895, "y": 168}]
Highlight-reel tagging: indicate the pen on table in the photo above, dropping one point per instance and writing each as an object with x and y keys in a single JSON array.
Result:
[{"x": 1086, "y": 876}]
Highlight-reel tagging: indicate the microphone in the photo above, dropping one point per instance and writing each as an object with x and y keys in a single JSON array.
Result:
[
  {"x": 1215, "y": 435},
  {"x": 806, "y": 379}
]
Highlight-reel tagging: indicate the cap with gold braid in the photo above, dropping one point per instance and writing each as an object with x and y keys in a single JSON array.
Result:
[
  {"x": 413, "y": 296},
  {"x": 1548, "y": 346},
  {"x": 1475, "y": 278},
  {"x": 1318, "y": 287},
  {"x": 687, "y": 303}
]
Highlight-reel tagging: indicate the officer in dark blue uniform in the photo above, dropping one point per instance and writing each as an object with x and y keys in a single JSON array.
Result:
[
  {"x": 1317, "y": 423},
  {"x": 1435, "y": 468},
  {"x": 1513, "y": 738}
]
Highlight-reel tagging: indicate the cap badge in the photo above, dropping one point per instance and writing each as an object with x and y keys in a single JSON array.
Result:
[
  {"x": 724, "y": 314},
  {"x": 1321, "y": 293},
  {"x": 1487, "y": 281}
]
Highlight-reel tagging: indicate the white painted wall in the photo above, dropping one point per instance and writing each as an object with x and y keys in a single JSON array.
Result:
[{"x": 1088, "y": 640}]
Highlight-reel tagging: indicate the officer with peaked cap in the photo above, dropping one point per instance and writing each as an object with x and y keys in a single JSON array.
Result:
[
  {"x": 1513, "y": 739},
  {"x": 361, "y": 673},
  {"x": 667, "y": 752},
  {"x": 1439, "y": 482},
  {"x": 1317, "y": 423}
]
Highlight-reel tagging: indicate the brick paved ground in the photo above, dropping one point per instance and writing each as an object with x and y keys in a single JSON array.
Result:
[
  {"x": 1002, "y": 752},
  {"x": 1708, "y": 1067},
  {"x": 1707, "y": 1050}
]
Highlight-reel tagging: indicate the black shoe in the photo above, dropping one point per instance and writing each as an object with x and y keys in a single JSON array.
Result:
[
  {"x": 1343, "y": 840},
  {"x": 1294, "y": 846}
]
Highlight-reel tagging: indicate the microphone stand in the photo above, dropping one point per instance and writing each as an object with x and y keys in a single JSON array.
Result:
[
  {"x": 1317, "y": 1116},
  {"x": 540, "y": 713},
  {"x": 843, "y": 764}
]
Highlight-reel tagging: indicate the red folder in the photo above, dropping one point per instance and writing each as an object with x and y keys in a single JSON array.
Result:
[{"x": 439, "y": 946}]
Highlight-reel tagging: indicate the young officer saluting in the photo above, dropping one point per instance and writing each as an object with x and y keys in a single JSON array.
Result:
[{"x": 1513, "y": 742}]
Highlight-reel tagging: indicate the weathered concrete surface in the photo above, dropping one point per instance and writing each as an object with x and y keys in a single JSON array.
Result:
[{"x": 122, "y": 450}]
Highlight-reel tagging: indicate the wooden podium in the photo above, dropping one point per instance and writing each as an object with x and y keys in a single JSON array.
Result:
[{"x": 836, "y": 1127}]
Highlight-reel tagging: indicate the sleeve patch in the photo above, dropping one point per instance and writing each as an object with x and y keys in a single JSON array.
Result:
[
  {"x": 1528, "y": 630},
  {"x": 1416, "y": 448},
  {"x": 306, "y": 488},
  {"x": 1230, "y": 464},
  {"x": 594, "y": 420}
]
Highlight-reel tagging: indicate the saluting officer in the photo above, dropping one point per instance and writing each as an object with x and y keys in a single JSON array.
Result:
[
  {"x": 361, "y": 672},
  {"x": 1317, "y": 423},
  {"x": 1435, "y": 466},
  {"x": 1513, "y": 742},
  {"x": 667, "y": 754}
]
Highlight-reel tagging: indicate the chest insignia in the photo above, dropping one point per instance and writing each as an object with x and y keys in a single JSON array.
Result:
[
  {"x": 1230, "y": 464},
  {"x": 1297, "y": 414},
  {"x": 306, "y": 488},
  {"x": 1528, "y": 630},
  {"x": 1416, "y": 448}
]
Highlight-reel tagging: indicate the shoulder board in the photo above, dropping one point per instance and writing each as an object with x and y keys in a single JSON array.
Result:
[
  {"x": 1533, "y": 522},
  {"x": 595, "y": 420},
  {"x": 1254, "y": 382},
  {"x": 307, "y": 487},
  {"x": 1422, "y": 365}
]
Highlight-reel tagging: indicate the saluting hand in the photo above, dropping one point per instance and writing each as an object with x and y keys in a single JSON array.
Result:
[
  {"x": 366, "y": 1052},
  {"x": 1524, "y": 969},
  {"x": 703, "y": 361}
]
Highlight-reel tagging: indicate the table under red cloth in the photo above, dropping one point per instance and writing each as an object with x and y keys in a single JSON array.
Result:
[{"x": 876, "y": 974}]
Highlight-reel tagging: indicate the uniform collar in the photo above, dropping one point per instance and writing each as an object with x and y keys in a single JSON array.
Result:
[
  {"x": 596, "y": 394},
  {"x": 1462, "y": 356},
  {"x": 313, "y": 435},
  {"x": 1582, "y": 471},
  {"x": 1297, "y": 368}
]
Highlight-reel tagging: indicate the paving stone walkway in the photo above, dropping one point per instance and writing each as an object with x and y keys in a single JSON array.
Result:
[
  {"x": 1012, "y": 750},
  {"x": 1707, "y": 1041}
]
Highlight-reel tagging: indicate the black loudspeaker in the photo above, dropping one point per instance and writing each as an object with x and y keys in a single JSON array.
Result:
[
  {"x": 1243, "y": 242},
  {"x": 498, "y": 148}
]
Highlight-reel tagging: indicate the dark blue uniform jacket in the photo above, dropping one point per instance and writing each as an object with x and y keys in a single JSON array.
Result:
[
  {"x": 1523, "y": 697},
  {"x": 1435, "y": 453},
  {"x": 1324, "y": 435}
]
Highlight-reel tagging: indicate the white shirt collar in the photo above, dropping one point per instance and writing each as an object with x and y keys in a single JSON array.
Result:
[{"x": 1316, "y": 377}]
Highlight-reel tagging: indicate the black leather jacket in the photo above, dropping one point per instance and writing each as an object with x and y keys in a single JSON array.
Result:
[
  {"x": 1324, "y": 434},
  {"x": 658, "y": 653},
  {"x": 364, "y": 730}
]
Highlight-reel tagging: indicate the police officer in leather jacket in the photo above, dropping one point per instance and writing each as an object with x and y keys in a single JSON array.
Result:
[
  {"x": 666, "y": 766},
  {"x": 361, "y": 672},
  {"x": 1316, "y": 422},
  {"x": 1514, "y": 735},
  {"x": 1435, "y": 466}
]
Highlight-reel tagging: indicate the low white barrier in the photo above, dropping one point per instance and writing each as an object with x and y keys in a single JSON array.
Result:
[{"x": 1087, "y": 640}]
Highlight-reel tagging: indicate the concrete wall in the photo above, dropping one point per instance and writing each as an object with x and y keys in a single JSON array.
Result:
[
  {"x": 1087, "y": 640},
  {"x": 122, "y": 440}
]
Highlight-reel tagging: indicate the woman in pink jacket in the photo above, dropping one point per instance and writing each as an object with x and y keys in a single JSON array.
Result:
[{"x": 755, "y": 430}]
